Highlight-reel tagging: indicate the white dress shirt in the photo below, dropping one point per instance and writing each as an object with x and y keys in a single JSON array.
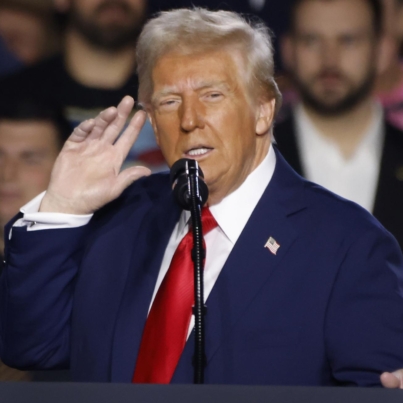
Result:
[
  {"x": 355, "y": 178},
  {"x": 231, "y": 214}
]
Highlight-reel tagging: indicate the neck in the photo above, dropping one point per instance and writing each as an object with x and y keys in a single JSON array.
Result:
[
  {"x": 346, "y": 130},
  {"x": 95, "y": 67},
  {"x": 219, "y": 191}
]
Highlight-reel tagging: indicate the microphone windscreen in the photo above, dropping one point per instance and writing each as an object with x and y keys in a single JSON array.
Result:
[{"x": 179, "y": 176}]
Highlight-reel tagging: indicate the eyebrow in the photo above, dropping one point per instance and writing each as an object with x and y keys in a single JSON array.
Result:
[{"x": 173, "y": 89}]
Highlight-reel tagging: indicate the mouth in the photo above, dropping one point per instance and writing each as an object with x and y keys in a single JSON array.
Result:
[
  {"x": 113, "y": 12},
  {"x": 198, "y": 152},
  {"x": 330, "y": 79}
]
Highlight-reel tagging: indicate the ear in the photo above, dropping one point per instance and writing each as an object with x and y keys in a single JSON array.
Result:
[
  {"x": 62, "y": 6},
  {"x": 265, "y": 117},
  {"x": 385, "y": 53},
  {"x": 287, "y": 51}
]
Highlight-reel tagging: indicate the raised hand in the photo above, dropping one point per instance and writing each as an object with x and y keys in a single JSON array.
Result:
[{"x": 86, "y": 174}]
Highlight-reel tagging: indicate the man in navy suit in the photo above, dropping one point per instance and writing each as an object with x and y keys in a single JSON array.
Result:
[{"x": 302, "y": 287}]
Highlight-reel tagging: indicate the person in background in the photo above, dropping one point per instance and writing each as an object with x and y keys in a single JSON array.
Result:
[
  {"x": 336, "y": 135},
  {"x": 272, "y": 12},
  {"x": 389, "y": 87},
  {"x": 31, "y": 136},
  {"x": 28, "y": 29},
  {"x": 95, "y": 69},
  {"x": 8, "y": 61},
  {"x": 302, "y": 287}
]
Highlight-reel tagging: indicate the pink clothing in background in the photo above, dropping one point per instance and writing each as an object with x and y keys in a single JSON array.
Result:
[{"x": 393, "y": 103}]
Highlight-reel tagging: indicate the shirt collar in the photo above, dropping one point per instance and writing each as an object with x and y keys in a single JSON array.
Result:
[
  {"x": 233, "y": 212},
  {"x": 308, "y": 134}
]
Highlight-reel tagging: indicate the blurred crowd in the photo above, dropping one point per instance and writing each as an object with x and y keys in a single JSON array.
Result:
[{"x": 339, "y": 67}]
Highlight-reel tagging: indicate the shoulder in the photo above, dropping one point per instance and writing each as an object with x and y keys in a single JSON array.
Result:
[
  {"x": 153, "y": 185},
  {"x": 146, "y": 190},
  {"x": 340, "y": 218}
]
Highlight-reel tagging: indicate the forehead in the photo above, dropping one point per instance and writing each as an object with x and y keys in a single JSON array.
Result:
[
  {"x": 332, "y": 17},
  {"x": 176, "y": 72},
  {"x": 26, "y": 135}
]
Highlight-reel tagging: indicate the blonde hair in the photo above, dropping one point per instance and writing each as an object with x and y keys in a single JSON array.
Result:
[{"x": 189, "y": 31}]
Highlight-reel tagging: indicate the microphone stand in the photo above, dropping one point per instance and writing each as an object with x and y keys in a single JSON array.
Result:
[
  {"x": 198, "y": 256},
  {"x": 191, "y": 192}
]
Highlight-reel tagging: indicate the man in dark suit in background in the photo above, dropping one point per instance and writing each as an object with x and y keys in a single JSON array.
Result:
[
  {"x": 336, "y": 135},
  {"x": 302, "y": 287}
]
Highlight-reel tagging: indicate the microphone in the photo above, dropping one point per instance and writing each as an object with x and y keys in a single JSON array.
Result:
[{"x": 181, "y": 173}]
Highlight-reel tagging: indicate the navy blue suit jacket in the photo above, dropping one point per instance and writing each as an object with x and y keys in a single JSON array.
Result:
[{"x": 326, "y": 310}]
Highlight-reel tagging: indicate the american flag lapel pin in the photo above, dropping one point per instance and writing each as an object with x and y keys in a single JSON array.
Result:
[{"x": 272, "y": 245}]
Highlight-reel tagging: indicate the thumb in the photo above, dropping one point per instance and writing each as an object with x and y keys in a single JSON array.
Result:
[
  {"x": 130, "y": 175},
  {"x": 392, "y": 380}
]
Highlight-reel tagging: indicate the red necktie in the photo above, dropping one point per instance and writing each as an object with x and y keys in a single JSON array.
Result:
[{"x": 167, "y": 325}]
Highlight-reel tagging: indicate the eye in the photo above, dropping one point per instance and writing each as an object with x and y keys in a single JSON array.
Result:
[
  {"x": 168, "y": 104},
  {"x": 33, "y": 158},
  {"x": 310, "y": 41},
  {"x": 348, "y": 40},
  {"x": 213, "y": 96}
]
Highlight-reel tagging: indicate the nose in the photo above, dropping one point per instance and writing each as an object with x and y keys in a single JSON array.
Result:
[
  {"x": 192, "y": 113},
  {"x": 330, "y": 54}
]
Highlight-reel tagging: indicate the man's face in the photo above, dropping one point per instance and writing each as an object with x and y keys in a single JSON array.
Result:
[
  {"x": 202, "y": 109},
  {"x": 108, "y": 24},
  {"x": 24, "y": 34},
  {"x": 332, "y": 54},
  {"x": 27, "y": 153}
]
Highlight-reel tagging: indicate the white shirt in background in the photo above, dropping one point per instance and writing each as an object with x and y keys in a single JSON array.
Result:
[{"x": 355, "y": 178}]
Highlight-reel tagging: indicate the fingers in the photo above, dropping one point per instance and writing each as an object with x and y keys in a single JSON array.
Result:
[
  {"x": 108, "y": 124},
  {"x": 129, "y": 175},
  {"x": 123, "y": 110},
  {"x": 102, "y": 121},
  {"x": 81, "y": 132},
  {"x": 391, "y": 380},
  {"x": 129, "y": 136}
]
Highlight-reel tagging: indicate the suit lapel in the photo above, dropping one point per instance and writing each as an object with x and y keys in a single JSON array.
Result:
[
  {"x": 148, "y": 251},
  {"x": 250, "y": 265}
]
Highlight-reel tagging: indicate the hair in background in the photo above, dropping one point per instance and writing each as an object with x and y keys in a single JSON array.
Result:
[
  {"x": 375, "y": 6},
  {"x": 32, "y": 110}
]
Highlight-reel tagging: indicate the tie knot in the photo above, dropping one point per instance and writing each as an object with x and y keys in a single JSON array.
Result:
[{"x": 208, "y": 221}]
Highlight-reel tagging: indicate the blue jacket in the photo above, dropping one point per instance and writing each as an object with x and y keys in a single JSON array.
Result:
[{"x": 326, "y": 310}]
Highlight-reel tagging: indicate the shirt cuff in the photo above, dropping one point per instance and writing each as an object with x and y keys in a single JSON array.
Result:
[{"x": 35, "y": 220}]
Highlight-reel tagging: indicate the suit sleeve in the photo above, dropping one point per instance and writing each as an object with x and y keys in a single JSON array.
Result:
[
  {"x": 36, "y": 294},
  {"x": 364, "y": 321}
]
